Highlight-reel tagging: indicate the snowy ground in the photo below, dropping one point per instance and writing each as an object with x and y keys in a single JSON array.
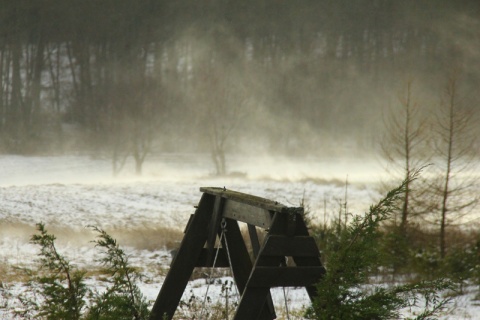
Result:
[{"x": 70, "y": 193}]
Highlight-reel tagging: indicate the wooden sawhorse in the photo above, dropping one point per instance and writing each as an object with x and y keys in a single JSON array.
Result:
[{"x": 286, "y": 237}]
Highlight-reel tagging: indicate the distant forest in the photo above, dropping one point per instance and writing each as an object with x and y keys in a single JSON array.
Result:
[{"x": 133, "y": 77}]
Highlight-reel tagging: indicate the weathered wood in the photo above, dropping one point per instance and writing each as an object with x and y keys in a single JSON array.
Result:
[
  {"x": 251, "y": 304},
  {"x": 214, "y": 226},
  {"x": 241, "y": 262},
  {"x": 299, "y": 246},
  {"x": 218, "y": 213},
  {"x": 252, "y": 231},
  {"x": 285, "y": 276},
  {"x": 242, "y": 265},
  {"x": 247, "y": 213},
  {"x": 253, "y": 297},
  {"x": 247, "y": 199},
  {"x": 302, "y": 230},
  {"x": 184, "y": 262},
  {"x": 286, "y": 224}
]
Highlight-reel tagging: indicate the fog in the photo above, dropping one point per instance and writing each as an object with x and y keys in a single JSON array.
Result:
[
  {"x": 25, "y": 171},
  {"x": 275, "y": 79}
]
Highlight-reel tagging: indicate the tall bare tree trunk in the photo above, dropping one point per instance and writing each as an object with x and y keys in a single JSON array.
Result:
[{"x": 449, "y": 156}]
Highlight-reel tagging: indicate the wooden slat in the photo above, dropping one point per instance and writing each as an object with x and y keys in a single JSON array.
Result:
[
  {"x": 214, "y": 226},
  {"x": 184, "y": 262},
  {"x": 302, "y": 246},
  {"x": 256, "y": 216},
  {"x": 253, "y": 299},
  {"x": 245, "y": 198},
  {"x": 252, "y": 231},
  {"x": 252, "y": 304},
  {"x": 285, "y": 276},
  {"x": 241, "y": 262},
  {"x": 255, "y": 307},
  {"x": 302, "y": 230}
]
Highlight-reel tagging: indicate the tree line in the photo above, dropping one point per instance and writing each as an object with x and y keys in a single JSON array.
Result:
[{"x": 131, "y": 77}]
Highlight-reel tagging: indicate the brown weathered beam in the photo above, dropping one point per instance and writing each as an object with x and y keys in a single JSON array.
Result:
[
  {"x": 300, "y": 246},
  {"x": 242, "y": 267},
  {"x": 252, "y": 231},
  {"x": 246, "y": 213},
  {"x": 302, "y": 230},
  {"x": 246, "y": 199},
  {"x": 285, "y": 276},
  {"x": 213, "y": 227},
  {"x": 184, "y": 262}
]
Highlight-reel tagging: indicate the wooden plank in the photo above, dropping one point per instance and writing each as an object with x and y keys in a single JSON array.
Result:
[
  {"x": 279, "y": 228},
  {"x": 253, "y": 298},
  {"x": 278, "y": 225},
  {"x": 242, "y": 267},
  {"x": 285, "y": 276},
  {"x": 241, "y": 262},
  {"x": 252, "y": 304},
  {"x": 252, "y": 231},
  {"x": 213, "y": 227},
  {"x": 302, "y": 230},
  {"x": 245, "y": 198},
  {"x": 247, "y": 213},
  {"x": 300, "y": 246},
  {"x": 184, "y": 262}
]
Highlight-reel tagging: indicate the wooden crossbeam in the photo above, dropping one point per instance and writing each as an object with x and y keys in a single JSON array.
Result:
[
  {"x": 245, "y": 199},
  {"x": 285, "y": 276},
  {"x": 301, "y": 246},
  {"x": 247, "y": 213}
]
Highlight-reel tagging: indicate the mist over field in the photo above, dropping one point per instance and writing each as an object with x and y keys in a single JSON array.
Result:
[{"x": 271, "y": 78}]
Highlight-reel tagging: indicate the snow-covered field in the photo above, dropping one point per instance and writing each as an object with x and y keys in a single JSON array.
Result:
[{"x": 69, "y": 193}]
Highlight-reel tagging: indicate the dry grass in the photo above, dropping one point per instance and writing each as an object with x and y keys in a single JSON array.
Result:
[
  {"x": 152, "y": 237},
  {"x": 148, "y": 238}
]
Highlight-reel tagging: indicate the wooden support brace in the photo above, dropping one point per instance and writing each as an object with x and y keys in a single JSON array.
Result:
[
  {"x": 252, "y": 231},
  {"x": 300, "y": 246},
  {"x": 285, "y": 276},
  {"x": 214, "y": 227},
  {"x": 184, "y": 262}
]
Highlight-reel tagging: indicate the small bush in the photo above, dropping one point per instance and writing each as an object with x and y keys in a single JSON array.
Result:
[
  {"x": 123, "y": 299},
  {"x": 353, "y": 255},
  {"x": 58, "y": 289}
]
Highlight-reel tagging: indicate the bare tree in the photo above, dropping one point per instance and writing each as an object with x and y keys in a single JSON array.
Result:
[
  {"x": 455, "y": 160},
  {"x": 224, "y": 103},
  {"x": 220, "y": 91},
  {"x": 132, "y": 123},
  {"x": 403, "y": 144}
]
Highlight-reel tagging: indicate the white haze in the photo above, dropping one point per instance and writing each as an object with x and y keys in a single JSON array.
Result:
[{"x": 22, "y": 170}]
